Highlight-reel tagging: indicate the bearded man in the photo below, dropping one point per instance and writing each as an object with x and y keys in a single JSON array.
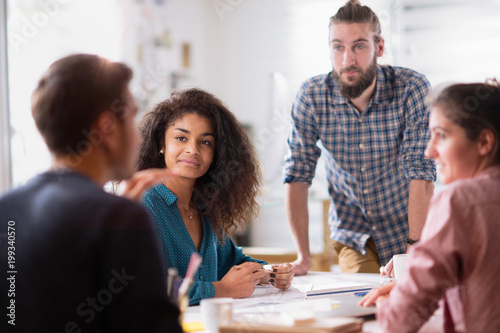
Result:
[{"x": 371, "y": 121}]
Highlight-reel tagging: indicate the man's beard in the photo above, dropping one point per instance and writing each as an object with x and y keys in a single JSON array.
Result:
[{"x": 355, "y": 90}]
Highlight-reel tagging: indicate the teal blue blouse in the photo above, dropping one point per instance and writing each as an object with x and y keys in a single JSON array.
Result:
[{"x": 176, "y": 244}]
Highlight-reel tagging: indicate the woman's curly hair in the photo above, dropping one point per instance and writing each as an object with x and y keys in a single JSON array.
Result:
[{"x": 227, "y": 192}]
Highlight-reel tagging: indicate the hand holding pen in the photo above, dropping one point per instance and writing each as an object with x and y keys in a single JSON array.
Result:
[{"x": 240, "y": 281}]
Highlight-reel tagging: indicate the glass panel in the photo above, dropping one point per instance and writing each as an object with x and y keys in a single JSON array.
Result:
[{"x": 40, "y": 32}]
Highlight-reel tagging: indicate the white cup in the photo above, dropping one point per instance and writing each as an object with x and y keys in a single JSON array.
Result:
[
  {"x": 216, "y": 312},
  {"x": 399, "y": 264}
]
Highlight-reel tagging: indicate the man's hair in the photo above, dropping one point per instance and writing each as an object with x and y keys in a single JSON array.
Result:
[
  {"x": 353, "y": 12},
  {"x": 474, "y": 107},
  {"x": 72, "y": 94}
]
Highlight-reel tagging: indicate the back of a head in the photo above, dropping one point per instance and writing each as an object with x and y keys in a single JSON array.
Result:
[
  {"x": 70, "y": 96},
  {"x": 354, "y": 12}
]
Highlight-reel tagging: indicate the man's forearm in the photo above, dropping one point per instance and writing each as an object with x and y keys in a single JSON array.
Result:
[
  {"x": 298, "y": 217},
  {"x": 421, "y": 192}
]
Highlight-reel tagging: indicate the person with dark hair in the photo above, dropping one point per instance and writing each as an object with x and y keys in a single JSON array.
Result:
[
  {"x": 372, "y": 124},
  {"x": 456, "y": 256},
  {"x": 80, "y": 259},
  {"x": 216, "y": 181}
]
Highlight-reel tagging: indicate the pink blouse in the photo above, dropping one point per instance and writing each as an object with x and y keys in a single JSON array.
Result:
[{"x": 457, "y": 260}]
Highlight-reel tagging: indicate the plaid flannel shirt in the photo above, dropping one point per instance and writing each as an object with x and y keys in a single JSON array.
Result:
[{"x": 370, "y": 156}]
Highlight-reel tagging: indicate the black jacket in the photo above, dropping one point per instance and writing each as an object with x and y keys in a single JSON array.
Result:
[{"x": 81, "y": 260}]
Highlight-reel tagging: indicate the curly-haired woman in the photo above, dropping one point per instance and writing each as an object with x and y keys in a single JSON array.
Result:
[{"x": 214, "y": 189}]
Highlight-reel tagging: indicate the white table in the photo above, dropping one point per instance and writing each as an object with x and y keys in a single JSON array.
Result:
[{"x": 192, "y": 314}]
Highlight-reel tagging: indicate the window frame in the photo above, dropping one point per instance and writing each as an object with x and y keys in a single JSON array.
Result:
[{"x": 5, "y": 156}]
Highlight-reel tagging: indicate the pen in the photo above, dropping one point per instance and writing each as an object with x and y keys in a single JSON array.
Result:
[
  {"x": 361, "y": 294},
  {"x": 194, "y": 264},
  {"x": 172, "y": 276}
]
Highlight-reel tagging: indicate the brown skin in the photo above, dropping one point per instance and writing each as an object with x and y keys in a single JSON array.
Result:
[
  {"x": 235, "y": 172},
  {"x": 281, "y": 276},
  {"x": 188, "y": 153}
]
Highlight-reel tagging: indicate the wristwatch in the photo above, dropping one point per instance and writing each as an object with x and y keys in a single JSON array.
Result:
[{"x": 411, "y": 241}]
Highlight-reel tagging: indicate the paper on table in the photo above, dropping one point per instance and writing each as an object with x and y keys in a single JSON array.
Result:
[
  {"x": 268, "y": 298},
  {"x": 267, "y": 295},
  {"x": 270, "y": 292},
  {"x": 297, "y": 305}
]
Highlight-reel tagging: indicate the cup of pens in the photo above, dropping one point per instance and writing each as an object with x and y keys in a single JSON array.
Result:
[{"x": 177, "y": 288}]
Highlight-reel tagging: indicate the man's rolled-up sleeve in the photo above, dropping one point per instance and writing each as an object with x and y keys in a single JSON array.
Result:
[
  {"x": 416, "y": 134},
  {"x": 303, "y": 153}
]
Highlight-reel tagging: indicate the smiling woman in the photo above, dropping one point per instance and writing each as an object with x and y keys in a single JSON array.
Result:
[
  {"x": 226, "y": 187},
  {"x": 452, "y": 262},
  {"x": 215, "y": 182}
]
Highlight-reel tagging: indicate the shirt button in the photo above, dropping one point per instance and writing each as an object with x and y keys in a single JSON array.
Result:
[
  {"x": 369, "y": 213},
  {"x": 361, "y": 145},
  {"x": 360, "y": 120},
  {"x": 363, "y": 169},
  {"x": 365, "y": 191},
  {"x": 374, "y": 228}
]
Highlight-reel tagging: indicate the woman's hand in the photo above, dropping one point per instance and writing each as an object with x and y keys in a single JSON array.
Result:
[
  {"x": 280, "y": 276},
  {"x": 240, "y": 281},
  {"x": 140, "y": 181},
  {"x": 377, "y": 296},
  {"x": 387, "y": 269}
]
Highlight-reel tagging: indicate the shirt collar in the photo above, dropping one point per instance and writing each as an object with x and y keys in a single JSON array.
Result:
[
  {"x": 492, "y": 171},
  {"x": 384, "y": 90},
  {"x": 165, "y": 194}
]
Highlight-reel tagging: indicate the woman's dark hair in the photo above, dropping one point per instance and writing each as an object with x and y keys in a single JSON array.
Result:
[
  {"x": 227, "y": 192},
  {"x": 474, "y": 107},
  {"x": 72, "y": 94},
  {"x": 353, "y": 12}
]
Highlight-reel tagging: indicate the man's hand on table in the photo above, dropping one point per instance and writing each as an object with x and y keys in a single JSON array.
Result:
[{"x": 302, "y": 265}]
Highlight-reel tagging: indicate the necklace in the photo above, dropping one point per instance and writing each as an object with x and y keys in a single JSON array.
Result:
[{"x": 188, "y": 213}]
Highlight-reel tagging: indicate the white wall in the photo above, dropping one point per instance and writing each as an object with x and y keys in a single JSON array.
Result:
[
  {"x": 451, "y": 40},
  {"x": 38, "y": 36}
]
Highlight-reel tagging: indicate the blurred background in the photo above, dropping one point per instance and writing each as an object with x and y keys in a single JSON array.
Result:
[{"x": 253, "y": 54}]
